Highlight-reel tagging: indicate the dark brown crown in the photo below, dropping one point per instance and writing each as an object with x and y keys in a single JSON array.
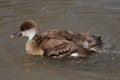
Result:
[{"x": 28, "y": 25}]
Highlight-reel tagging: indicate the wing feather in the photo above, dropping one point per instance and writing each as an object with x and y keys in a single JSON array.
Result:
[{"x": 58, "y": 48}]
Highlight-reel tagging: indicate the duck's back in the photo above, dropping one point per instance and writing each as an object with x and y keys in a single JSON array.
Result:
[
  {"x": 90, "y": 42},
  {"x": 58, "y": 48}
]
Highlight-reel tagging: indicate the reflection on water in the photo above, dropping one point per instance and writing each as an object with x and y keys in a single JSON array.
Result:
[{"x": 99, "y": 17}]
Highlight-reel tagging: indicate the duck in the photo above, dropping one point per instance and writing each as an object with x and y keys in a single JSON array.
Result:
[{"x": 39, "y": 44}]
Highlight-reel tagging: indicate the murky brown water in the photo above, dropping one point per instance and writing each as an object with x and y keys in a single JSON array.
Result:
[{"x": 100, "y": 17}]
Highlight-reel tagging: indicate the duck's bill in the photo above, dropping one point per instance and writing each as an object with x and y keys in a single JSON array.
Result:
[{"x": 17, "y": 34}]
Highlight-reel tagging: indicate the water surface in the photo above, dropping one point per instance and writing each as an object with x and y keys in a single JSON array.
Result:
[{"x": 100, "y": 17}]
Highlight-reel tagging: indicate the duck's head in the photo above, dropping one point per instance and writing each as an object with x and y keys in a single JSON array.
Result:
[{"x": 28, "y": 28}]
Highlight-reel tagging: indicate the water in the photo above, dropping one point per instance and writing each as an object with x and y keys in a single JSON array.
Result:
[{"x": 100, "y": 17}]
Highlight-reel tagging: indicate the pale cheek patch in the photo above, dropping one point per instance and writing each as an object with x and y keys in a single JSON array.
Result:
[{"x": 29, "y": 33}]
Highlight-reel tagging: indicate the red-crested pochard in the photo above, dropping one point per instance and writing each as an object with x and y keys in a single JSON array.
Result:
[{"x": 48, "y": 46}]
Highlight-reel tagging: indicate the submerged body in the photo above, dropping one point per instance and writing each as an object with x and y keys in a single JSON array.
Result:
[{"x": 54, "y": 48}]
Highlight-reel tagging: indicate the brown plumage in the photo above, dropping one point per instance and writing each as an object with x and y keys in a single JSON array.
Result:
[
  {"x": 90, "y": 42},
  {"x": 48, "y": 46}
]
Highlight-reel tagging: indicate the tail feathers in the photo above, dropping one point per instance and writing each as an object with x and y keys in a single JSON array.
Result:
[{"x": 100, "y": 40}]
